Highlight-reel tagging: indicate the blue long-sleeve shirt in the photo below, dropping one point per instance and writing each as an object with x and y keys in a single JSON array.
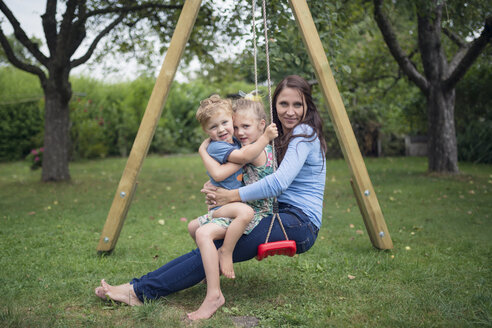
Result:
[{"x": 299, "y": 180}]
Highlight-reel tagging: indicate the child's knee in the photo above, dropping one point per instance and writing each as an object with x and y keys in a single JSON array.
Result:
[
  {"x": 249, "y": 213},
  {"x": 201, "y": 235},
  {"x": 193, "y": 226}
]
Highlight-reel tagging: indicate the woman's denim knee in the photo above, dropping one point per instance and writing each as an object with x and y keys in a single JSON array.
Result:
[{"x": 299, "y": 228}]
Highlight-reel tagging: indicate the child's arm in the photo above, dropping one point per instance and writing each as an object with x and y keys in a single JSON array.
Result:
[
  {"x": 248, "y": 153},
  {"x": 218, "y": 172}
]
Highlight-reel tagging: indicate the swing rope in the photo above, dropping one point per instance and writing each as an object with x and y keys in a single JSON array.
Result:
[
  {"x": 286, "y": 247},
  {"x": 253, "y": 6}
]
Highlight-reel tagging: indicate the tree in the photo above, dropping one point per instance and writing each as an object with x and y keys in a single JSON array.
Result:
[
  {"x": 440, "y": 75},
  {"x": 96, "y": 20}
]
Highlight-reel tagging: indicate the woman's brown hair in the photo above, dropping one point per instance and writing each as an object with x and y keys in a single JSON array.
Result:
[{"x": 311, "y": 116}]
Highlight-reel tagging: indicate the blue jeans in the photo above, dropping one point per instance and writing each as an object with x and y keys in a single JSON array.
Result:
[{"x": 187, "y": 270}]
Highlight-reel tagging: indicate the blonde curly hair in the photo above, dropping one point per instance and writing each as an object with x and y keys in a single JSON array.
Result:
[{"x": 210, "y": 106}]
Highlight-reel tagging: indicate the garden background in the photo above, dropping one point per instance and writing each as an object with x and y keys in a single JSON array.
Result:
[{"x": 438, "y": 274}]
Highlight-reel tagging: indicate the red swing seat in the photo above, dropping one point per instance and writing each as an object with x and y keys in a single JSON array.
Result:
[{"x": 282, "y": 247}]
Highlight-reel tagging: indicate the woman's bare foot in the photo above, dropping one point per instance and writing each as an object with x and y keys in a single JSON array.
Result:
[
  {"x": 121, "y": 293},
  {"x": 226, "y": 265},
  {"x": 99, "y": 291},
  {"x": 209, "y": 306}
]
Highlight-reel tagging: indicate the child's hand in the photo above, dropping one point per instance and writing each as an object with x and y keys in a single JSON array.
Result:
[{"x": 271, "y": 131}]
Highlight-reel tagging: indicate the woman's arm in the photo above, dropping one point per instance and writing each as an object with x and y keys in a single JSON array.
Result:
[
  {"x": 218, "y": 172},
  {"x": 276, "y": 183},
  {"x": 249, "y": 152}
]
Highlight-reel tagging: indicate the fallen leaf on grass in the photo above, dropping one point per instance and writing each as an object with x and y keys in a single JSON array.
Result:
[
  {"x": 161, "y": 222},
  {"x": 31, "y": 213},
  {"x": 351, "y": 226},
  {"x": 351, "y": 277},
  {"x": 359, "y": 232},
  {"x": 407, "y": 248}
]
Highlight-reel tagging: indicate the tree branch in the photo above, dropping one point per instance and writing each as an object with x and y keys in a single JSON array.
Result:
[
  {"x": 124, "y": 10},
  {"x": 21, "y": 35},
  {"x": 454, "y": 37},
  {"x": 390, "y": 38},
  {"x": 9, "y": 52},
  {"x": 90, "y": 51},
  {"x": 474, "y": 50},
  {"x": 66, "y": 28},
  {"x": 49, "y": 25}
]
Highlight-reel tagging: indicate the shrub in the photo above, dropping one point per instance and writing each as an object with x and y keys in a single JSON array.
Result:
[
  {"x": 87, "y": 130},
  {"x": 475, "y": 142},
  {"x": 35, "y": 158},
  {"x": 21, "y": 129}
]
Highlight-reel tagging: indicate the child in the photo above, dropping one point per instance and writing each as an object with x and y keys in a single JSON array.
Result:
[{"x": 232, "y": 220}]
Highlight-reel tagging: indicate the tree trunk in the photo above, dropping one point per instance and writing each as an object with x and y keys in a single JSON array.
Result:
[
  {"x": 442, "y": 146},
  {"x": 58, "y": 91},
  {"x": 443, "y": 154}
]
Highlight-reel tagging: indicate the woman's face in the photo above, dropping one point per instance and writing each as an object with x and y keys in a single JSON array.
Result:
[
  {"x": 290, "y": 108},
  {"x": 247, "y": 128}
]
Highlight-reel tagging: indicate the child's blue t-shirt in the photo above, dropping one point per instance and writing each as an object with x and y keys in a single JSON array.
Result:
[{"x": 220, "y": 151}]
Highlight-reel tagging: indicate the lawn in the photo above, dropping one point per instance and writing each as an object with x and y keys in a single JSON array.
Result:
[{"x": 437, "y": 275}]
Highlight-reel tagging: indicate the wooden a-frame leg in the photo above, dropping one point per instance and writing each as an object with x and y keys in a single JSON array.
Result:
[
  {"x": 361, "y": 183},
  {"x": 126, "y": 188}
]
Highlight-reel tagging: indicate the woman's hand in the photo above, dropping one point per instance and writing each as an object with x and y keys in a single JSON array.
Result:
[{"x": 216, "y": 196}]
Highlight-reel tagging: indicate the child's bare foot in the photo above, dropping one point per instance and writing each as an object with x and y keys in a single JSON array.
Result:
[
  {"x": 209, "y": 306},
  {"x": 226, "y": 265},
  {"x": 99, "y": 291},
  {"x": 121, "y": 293}
]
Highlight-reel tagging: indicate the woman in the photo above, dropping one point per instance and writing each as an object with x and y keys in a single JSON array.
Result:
[{"x": 298, "y": 184}]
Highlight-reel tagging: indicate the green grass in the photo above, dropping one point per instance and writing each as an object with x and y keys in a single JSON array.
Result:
[{"x": 438, "y": 274}]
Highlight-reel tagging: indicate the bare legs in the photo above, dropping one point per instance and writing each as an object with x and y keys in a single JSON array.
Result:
[
  {"x": 121, "y": 293},
  {"x": 242, "y": 214},
  {"x": 214, "y": 299},
  {"x": 211, "y": 257}
]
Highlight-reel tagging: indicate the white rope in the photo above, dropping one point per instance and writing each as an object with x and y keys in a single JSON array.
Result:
[
  {"x": 269, "y": 81},
  {"x": 253, "y": 2}
]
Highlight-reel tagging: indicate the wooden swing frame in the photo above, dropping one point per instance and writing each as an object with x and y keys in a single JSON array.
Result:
[{"x": 360, "y": 181}]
